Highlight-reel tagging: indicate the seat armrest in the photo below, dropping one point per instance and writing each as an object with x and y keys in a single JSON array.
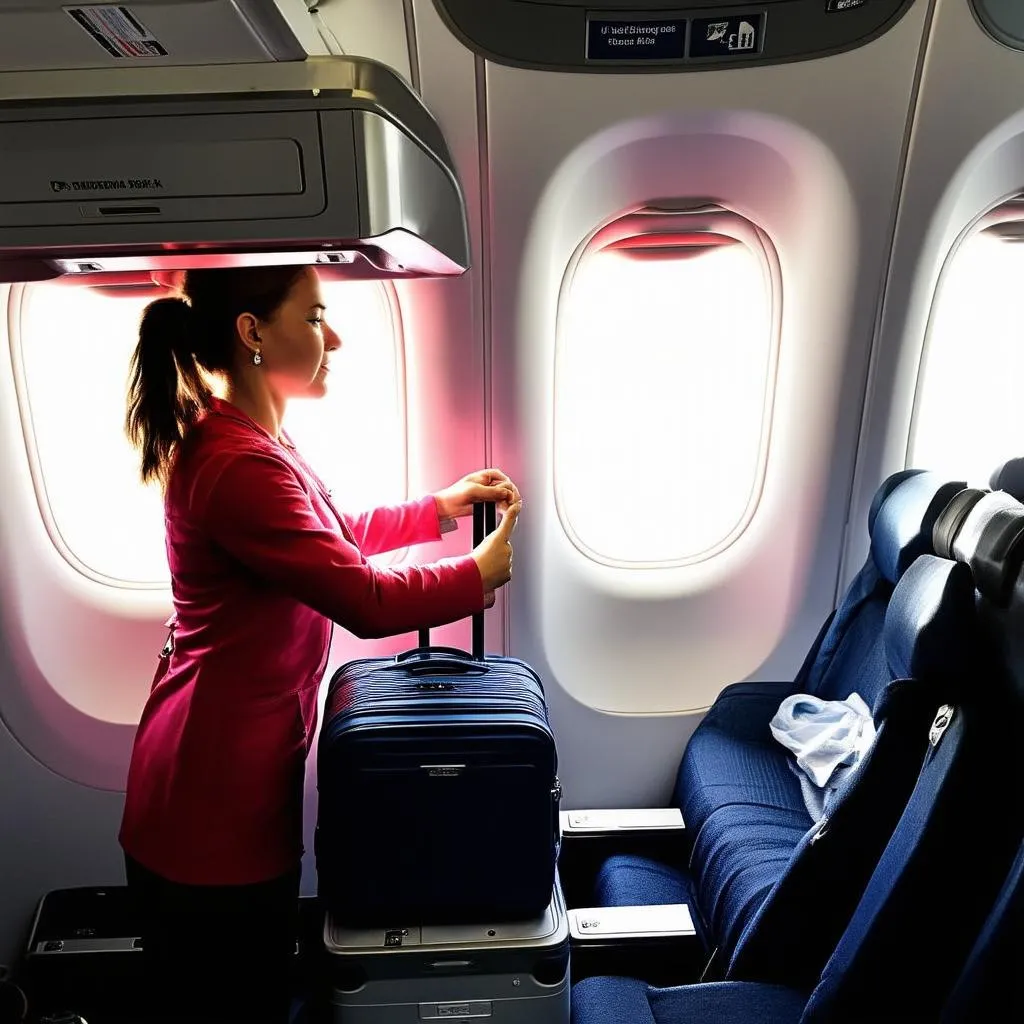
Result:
[
  {"x": 622, "y": 924},
  {"x": 657, "y": 944},
  {"x": 624, "y": 821}
]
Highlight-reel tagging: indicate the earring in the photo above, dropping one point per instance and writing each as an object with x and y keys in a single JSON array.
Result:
[{"x": 256, "y": 359}]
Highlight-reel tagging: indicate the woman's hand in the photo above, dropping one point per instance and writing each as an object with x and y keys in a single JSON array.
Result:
[
  {"x": 484, "y": 485},
  {"x": 493, "y": 555}
]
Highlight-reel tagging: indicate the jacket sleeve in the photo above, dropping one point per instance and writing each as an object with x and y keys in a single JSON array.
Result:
[
  {"x": 259, "y": 512},
  {"x": 396, "y": 526}
]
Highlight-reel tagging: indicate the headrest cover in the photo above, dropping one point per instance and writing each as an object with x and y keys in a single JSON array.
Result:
[
  {"x": 931, "y": 622},
  {"x": 980, "y": 515},
  {"x": 1009, "y": 477},
  {"x": 902, "y": 528},
  {"x": 997, "y": 558},
  {"x": 952, "y": 518},
  {"x": 887, "y": 486}
]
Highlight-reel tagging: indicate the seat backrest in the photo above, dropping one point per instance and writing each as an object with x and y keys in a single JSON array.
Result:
[
  {"x": 939, "y": 876},
  {"x": 928, "y": 644},
  {"x": 1009, "y": 477},
  {"x": 849, "y": 656},
  {"x": 989, "y": 986}
]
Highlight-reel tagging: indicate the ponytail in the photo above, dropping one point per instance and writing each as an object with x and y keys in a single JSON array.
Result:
[
  {"x": 179, "y": 339},
  {"x": 167, "y": 392}
]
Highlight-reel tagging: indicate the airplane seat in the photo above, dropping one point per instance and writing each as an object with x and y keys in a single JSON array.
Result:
[
  {"x": 611, "y": 1000},
  {"x": 847, "y": 657},
  {"x": 941, "y": 875},
  {"x": 986, "y": 990},
  {"x": 939, "y": 915},
  {"x": 734, "y": 768},
  {"x": 930, "y": 644},
  {"x": 988, "y": 987}
]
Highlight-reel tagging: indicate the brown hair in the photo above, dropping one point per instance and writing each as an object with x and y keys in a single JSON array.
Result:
[{"x": 181, "y": 336}]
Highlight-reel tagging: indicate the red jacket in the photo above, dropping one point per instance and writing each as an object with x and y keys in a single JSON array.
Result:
[{"x": 261, "y": 566}]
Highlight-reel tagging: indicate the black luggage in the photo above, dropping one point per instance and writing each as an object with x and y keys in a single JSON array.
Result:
[
  {"x": 84, "y": 954},
  {"x": 438, "y": 787}
]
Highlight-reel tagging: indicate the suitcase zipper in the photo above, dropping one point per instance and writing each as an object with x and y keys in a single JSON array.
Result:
[{"x": 353, "y": 727}]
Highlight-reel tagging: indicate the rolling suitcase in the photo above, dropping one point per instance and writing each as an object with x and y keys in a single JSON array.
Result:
[{"x": 438, "y": 788}]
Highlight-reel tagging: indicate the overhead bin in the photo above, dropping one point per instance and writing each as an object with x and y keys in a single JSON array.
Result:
[{"x": 357, "y": 176}]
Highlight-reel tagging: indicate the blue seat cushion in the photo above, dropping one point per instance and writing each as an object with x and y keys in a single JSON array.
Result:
[
  {"x": 732, "y": 757},
  {"x": 627, "y": 880},
  {"x": 739, "y": 854},
  {"x": 741, "y": 800},
  {"x": 628, "y": 1001}
]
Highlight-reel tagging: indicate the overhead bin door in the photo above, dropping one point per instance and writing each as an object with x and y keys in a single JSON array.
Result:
[{"x": 158, "y": 169}]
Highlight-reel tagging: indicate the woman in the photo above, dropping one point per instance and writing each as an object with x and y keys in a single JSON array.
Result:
[{"x": 262, "y": 565}]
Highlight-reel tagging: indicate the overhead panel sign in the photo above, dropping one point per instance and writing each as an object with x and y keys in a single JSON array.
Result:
[
  {"x": 117, "y": 30},
  {"x": 738, "y": 36},
  {"x": 662, "y": 39}
]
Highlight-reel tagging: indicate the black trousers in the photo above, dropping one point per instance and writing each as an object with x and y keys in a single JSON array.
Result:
[{"x": 216, "y": 954}]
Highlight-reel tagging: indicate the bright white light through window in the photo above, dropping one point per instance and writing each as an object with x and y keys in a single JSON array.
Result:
[
  {"x": 661, "y": 381},
  {"x": 76, "y": 346},
  {"x": 970, "y": 416}
]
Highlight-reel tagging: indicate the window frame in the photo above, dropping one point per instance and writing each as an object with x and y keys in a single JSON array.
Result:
[
  {"x": 132, "y": 283},
  {"x": 690, "y": 218}
]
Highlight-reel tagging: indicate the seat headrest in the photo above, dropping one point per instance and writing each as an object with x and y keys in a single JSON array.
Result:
[
  {"x": 1009, "y": 477},
  {"x": 999, "y": 553},
  {"x": 887, "y": 486},
  {"x": 981, "y": 513},
  {"x": 952, "y": 518},
  {"x": 931, "y": 622},
  {"x": 902, "y": 526}
]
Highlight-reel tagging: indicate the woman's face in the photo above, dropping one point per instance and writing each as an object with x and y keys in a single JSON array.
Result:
[{"x": 296, "y": 342}]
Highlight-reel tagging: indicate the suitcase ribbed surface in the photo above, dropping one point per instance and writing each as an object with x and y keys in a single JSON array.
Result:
[
  {"x": 438, "y": 790},
  {"x": 385, "y": 690}
]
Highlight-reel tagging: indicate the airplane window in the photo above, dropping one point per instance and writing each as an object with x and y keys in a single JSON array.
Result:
[
  {"x": 663, "y": 379},
  {"x": 969, "y": 414},
  {"x": 74, "y": 346}
]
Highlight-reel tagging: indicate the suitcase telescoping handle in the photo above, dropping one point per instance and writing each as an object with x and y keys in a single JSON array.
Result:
[{"x": 485, "y": 519}]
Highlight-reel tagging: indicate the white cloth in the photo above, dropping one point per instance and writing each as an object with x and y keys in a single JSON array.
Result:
[{"x": 828, "y": 739}]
